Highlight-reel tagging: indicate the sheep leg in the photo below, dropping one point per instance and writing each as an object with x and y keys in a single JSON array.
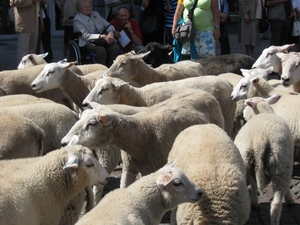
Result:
[
  {"x": 276, "y": 207},
  {"x": 254, "y": 198},
  {"x": 127, "y": 178},
  {"x": 288, "y": 198}
]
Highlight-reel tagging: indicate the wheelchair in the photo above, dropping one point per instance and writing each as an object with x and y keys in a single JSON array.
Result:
[{"x": 79, "y": 54}]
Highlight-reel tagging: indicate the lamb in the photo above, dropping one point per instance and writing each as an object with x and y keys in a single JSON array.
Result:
[
  {"x": 269, "y": 58},
  {"x": 148, "y": 135},
  {"x": 287, "y": 107},
  {"x": 209, "y": 158},
  {"x": 32, "y": 60},
  {"x": 20, "y": 137},
  {"x": 115, "y": 91},
  {"x": 146, "y": 200},
  {"x": 130, "y": 66},
  {"x": 290, "y": 72},
  {"x": 270, "y": 157},
  {"x": 36, "y": 191},
  {"x": 55, "y": 119}
]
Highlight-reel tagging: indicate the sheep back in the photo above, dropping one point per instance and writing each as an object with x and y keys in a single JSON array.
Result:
[{"x": 209, "y": 157}]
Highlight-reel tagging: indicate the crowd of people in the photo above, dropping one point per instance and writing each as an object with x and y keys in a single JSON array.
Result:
[{"x": 123, "y": 28}]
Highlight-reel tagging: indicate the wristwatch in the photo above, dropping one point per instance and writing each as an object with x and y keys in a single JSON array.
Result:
[{"x": 217, "y": 27}]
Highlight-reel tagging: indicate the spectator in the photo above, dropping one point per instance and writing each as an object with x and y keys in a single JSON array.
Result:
[
  {"x": 131, "y": 29},
  {"x": 93, "y": 27},
  {"x": 112, "y": 6},
  {"x": 170, "y": 8},
  {"x": 152, "y": 21},
  {"x": 250, "y": 15},
  {"x": 279, "y": 14},
  {"x": 26, "y": 14},
  {"x": 224, "y": 16},
  {"x": 296, "y": 7},
  {"x": 206, "y": 19},
  {"x": 45, "y": 34},
  {"x": 68, "y": 10}
]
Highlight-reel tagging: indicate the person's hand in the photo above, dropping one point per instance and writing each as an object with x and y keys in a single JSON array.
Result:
[
  {"x": 145, "y": 3},
  {"x": 117, "y": 35},
  {"x": 127, "y": 25},
  {"x": 110, "y": 37},
  {"x": 246, "y": 17},
  {"x": 217, "y": 34}
]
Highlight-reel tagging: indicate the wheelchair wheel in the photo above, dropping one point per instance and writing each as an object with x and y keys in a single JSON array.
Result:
[{"x": 73, "y": 52}]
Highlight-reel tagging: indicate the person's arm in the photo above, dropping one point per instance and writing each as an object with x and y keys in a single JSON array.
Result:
[
  {"x": 60, "y": 4},
  {"x": 271, "y": 3},
  {"x": 177, "y": 15},
  {"x": 21, "y": 4},
  {"x": 225, "y": 12},
  {"x": 216, "y": 13},
  {"x": 135, "y": 33}
]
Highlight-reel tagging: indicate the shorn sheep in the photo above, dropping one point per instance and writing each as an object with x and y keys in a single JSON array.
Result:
[
  {"x": 146, "y": 136},
  {"x": 20, "y": 137},
  {"x": 36, "y": 191},
  {"x": 209, "y": 158},
  {"x": 146, "y": 200},
  {"x": 109, "y": 90},
  {"x": 266, "y": 145},
  {"x": 130, "y": 66}
]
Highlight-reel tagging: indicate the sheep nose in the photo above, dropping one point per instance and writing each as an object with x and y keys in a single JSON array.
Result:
[
  {"x": 64, "y": 144},
  {"x": 86, "y": 105},
  {"x": 33, "y": 85}
]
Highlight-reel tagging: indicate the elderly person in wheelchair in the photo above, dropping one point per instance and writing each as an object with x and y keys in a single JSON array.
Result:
[{"x": 97, "y": 34}]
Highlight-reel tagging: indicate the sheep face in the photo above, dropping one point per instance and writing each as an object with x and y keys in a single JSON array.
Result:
[
  {"x": 83, "y": 159},
  {"x": 125, "y": 65},
  {"x": 290, "y": 68},
  {"x": 176, "y": 187},
  {"x": 251, "y": 77},
  {"x": 51, "y": 76},
  {"x": 269, "y": 58},
  {"x": 92, "y": 130},
  {"x": 106, "y": 91},
  {"x": 32, "y": 60}
]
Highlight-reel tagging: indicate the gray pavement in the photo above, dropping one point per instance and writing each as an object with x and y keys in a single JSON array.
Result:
[{"x": 261, "y": 215}]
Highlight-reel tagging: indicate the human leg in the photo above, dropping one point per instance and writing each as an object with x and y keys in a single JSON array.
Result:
[
  {"x": 33, "y": 41},
  {"x": 276, "y": 29},
  {"x": 224, "y": 40},
  {"x": 113, "y": 51},
  {"x": 46, "y": 39},
  {"x": 23, "y": 45},
  {"x": 100, "y": 52}
]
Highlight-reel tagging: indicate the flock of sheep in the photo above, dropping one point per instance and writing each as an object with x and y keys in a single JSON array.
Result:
[{"x": 197, "y": 132}]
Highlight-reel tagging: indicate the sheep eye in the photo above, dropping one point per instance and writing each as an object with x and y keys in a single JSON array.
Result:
[
  {"x": 104, "y": 89},
  {"x": 91, "y": 122},
  {"x": 177, "y": 183},
  {"x": 90, "y": 165}
]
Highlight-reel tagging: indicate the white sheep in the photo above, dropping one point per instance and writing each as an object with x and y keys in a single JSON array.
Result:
[
  {"x": 290, "y": 70},
  {"x": 19, "y": 82},
  {"x": 253, "y": 85},
  {"x": 146, "y": 200},
  {"x": 31, "y": 59},
  {"x": 58, "y": 75},
  {"x": 266, "y": 145},
  {"x": 130, "y": 66},
  {"x": 109, "y": 90},
  {"x": 269, "y": 58},
  {"x": 20, "y": 137},
  {"x": 209, "y": 158},
  {"x": 146, "y": 136},
  {"x": 36, "y": 192},
  {"x": 21, "y": 99},
  {"x": 55, "y": 119}
]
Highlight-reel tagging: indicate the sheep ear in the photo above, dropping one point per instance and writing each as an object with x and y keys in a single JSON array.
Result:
[
  {"x": 171, "y": 164},
  {"x": 249, "y": 103},
  {"x": 72, "y": 162},
  {"x": 164, "y": 179},
  {"x": 273, "y": 99},
  {"x": 43, "y": 55},
  {"x": 30, "y": 57},
  {"x": 245, "y": 72},
  {"x": 140, "y": 56},
  {"x": 280, "y": 54},
  {"x": 255, "y": 80},
  {"x": 106, "y": 119}
]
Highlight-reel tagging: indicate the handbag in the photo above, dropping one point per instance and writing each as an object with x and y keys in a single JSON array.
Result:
[
  {"x": 263, "y": 23},
  {"x": 98, "y": 42},
  {"x": 186, "y": 31},
  {"x": 148, "y": 24},
  {"x": 296, "y": 27}
]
